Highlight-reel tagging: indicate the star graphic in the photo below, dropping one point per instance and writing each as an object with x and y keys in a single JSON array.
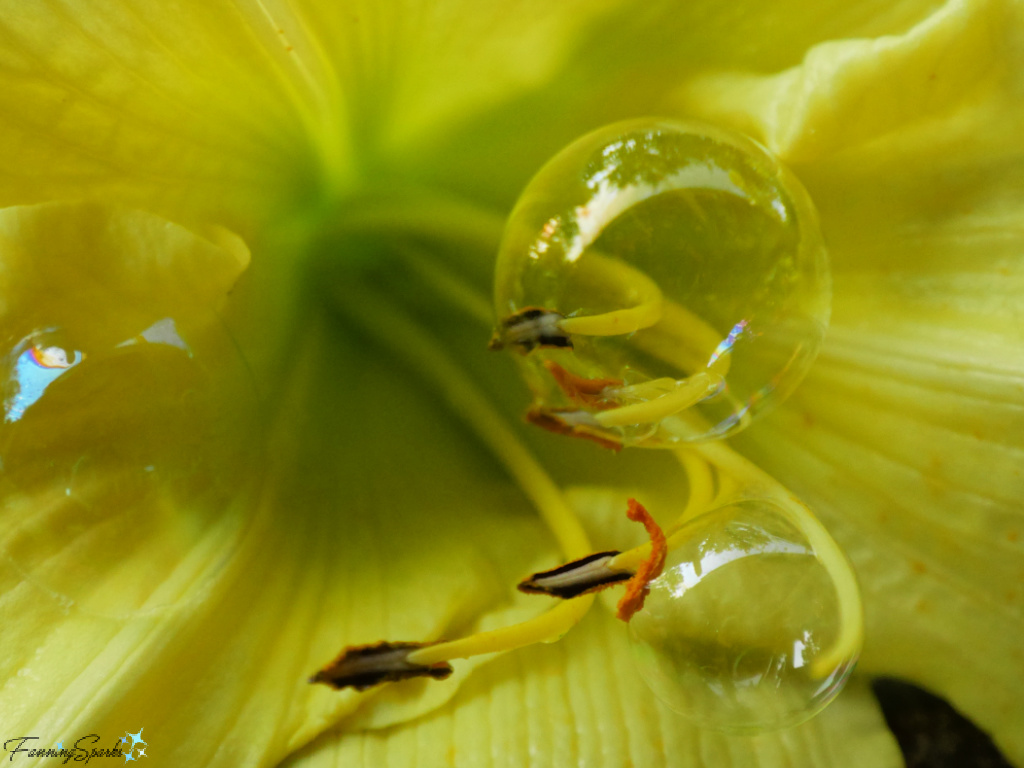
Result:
[
  {"x": 136, "y": 738},
  {"x": 60, "y": 745},
  {"x": 128, "y": 756},
  {"x": 142, "y": 752}
]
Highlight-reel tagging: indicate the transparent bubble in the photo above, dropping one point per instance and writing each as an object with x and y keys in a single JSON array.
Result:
[
  {"x": 685, "y": 266},
  {"x": 738, "y": 632},
  {"x": 121, "y": 448}
]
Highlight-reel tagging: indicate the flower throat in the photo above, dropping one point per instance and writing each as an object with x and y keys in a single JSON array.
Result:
[{"x": 661, "y": 285}]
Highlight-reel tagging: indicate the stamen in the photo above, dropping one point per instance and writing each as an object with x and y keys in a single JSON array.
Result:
[
  {"x": 572, "y": 424},
  {"x": 650, "y": 569},
  {"x": 528, "y": 329},
  {"x": 687, "y": 393},
  {"x": 398, "y": 332},
  {"x": 620, "y": 322},
  {"x": 580, "y": 577},
  {"x": 589, "y": 392},
  {"x": 545, "y": 628},
  {"x": 364, "y": 666},
  {"x": 533, "y": 327},
  {"x": 701, "y": 480}
]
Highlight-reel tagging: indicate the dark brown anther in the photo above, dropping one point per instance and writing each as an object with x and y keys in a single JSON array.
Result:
[
  {"x": 364, "y": 666},
  {"x": 528, "y": 329},
  {"x": 580, "y": 577}
]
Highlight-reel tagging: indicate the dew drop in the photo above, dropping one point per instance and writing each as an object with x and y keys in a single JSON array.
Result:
[
  {"x": 687, "y": 263},
  {"x": 738, "y": 632}
]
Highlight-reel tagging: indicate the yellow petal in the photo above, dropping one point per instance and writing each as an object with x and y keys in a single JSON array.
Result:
[
  {"x": 847, "y": 92},
  {"x": 343, "y": 543},
  {"x": 410, "y": 70},
  {"x": 63, "y": 261},
  {"x": 906, "y": 437},
  {"x": 154, "y": 554},
  {"x": 205, "y": 107},
  {"x": 920, "y": 482},
  {"x": 608, "y": 62}
]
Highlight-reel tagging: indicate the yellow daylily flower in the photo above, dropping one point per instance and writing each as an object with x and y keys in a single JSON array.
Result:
[{"x": 250, "y": 245}]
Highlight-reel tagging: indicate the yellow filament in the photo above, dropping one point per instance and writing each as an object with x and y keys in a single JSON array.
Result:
[
  {"x": 702, "y": 497},
  {"x": 677, "y": 335},
  {"x": 389, "y": 328},
  {"x": 688, "y": 392},
  {"x": 755, "y": 483},
  {"x": 645, "y": 390},
  {"x": 630, "y": 559},
  {"x": 644, "y": 314},
  {"x": 728, "y": 488},
  {"x": 616, "y": 323},
  {"x": 683, "y": 340},
  {"x": 545, "y": 628},
  {"x": 702, "y": 487}
]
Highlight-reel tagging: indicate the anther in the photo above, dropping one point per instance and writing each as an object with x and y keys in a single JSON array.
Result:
[
  {"x": 588, "y": 392},
  {"x": 573, "y": 424},
  {"x": 364, "y": 666},
  {"x": 530, "y": 328},
  {"x": 650, "y": 569},
  {"x": 580, "y": 577}
]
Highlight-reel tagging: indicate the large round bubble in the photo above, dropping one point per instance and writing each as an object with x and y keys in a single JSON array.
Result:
[{"x": 668, "y": 266}]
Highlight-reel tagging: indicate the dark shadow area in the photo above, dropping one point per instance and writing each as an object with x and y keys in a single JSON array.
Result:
[{"x": 930, "y": 732}]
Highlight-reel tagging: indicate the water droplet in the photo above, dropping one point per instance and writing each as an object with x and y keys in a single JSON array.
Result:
[
  {"x": 120, "y": 453},
  {"x": 737, "y": 633},
  {"x": 682, "y": 261}
]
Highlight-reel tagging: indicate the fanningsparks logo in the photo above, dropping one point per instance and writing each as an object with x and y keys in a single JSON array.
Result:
[
  {"x": 131, "y": 746},
  {"x": 134, "y": 751}
]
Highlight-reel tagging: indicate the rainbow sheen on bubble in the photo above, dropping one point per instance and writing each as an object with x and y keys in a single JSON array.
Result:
[
  {"x": 739, "y": 631},
  {"x": 727, "y": 237}
]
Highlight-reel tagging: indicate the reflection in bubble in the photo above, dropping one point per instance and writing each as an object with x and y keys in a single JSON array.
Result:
[
  {"x": 687, "y": 575},
  {"x": 725, "y": 347},
  {"x": 35, "y": 368},
  {"x": 128, "y": 463},
  {"x": 163, "y": 331}
]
